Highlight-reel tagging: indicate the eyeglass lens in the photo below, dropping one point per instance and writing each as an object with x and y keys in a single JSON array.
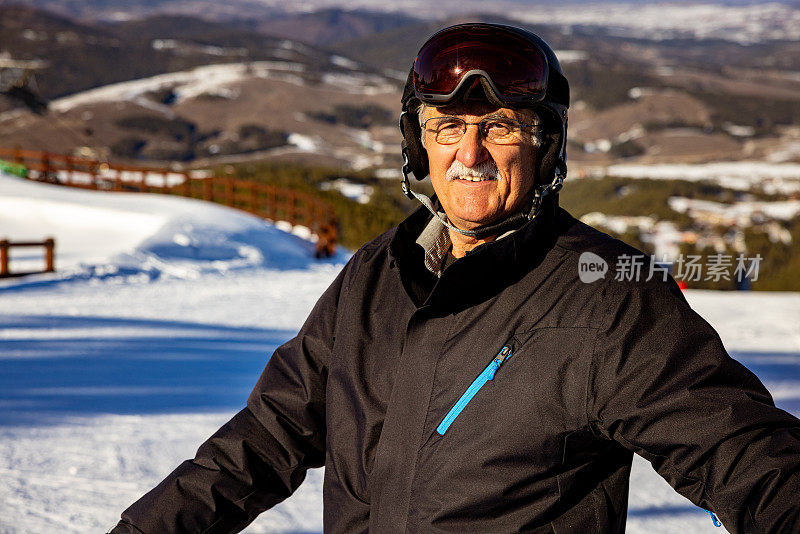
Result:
[{"x": 449, "y": 130}]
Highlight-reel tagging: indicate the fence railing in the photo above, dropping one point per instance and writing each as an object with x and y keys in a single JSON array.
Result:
[
  {"x": 49, "y": 245},
  {"x": 263, "y": 200}
]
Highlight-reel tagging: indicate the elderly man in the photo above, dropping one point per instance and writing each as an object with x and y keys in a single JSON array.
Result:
[{"x": 458, "y": 376}]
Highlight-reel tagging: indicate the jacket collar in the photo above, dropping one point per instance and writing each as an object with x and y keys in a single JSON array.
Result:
[{"x": 479, "y": 275}]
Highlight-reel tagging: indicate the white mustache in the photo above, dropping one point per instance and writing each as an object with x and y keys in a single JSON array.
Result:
[{"x": 485, "y": 170}]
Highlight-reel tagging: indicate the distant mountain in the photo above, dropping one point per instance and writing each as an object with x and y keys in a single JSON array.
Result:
[
  {"x": 176, "y": 88},
  {"x": 259, "y": 10},
  {"x": 80, "y": 56},
  {"x": 331, "y": 26}
]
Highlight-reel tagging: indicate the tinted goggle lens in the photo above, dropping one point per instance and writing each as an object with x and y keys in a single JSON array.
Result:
[{"x": 515, "y": 66}]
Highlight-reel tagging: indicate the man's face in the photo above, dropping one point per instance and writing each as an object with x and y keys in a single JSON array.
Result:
[{"x": 469, "y": 203}]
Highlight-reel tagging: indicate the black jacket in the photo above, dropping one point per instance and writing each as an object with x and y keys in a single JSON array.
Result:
[{"x": 596, "y": 372}]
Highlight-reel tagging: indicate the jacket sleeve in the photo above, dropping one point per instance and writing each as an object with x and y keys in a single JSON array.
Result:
[
  {"x": 261, "y": 455},
  {"x": 663, "y": 386}
]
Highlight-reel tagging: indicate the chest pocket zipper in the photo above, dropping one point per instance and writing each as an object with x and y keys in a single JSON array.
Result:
[{"x": 486, "y": 375}]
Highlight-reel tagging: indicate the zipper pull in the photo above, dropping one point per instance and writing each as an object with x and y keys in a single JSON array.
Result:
[
  {"x": 502, "y": 356},
  {"x": 714, "y": 518}
]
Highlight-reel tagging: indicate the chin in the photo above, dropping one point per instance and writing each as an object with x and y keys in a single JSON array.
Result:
[
  {"x": 478, "y": 213},
  {"x": 472, "y": 222}
]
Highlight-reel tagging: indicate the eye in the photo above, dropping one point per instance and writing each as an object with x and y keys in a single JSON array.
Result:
[
  {"x": 447, "y": 125},
  {"x": 498, "y": 127}
]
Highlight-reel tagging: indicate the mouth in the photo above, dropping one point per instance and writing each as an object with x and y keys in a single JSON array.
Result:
[
  {"x": 485, "y": 171},
  {"x": 476, "y": 178}
]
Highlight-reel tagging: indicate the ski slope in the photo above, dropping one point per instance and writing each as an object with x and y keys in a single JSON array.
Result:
[{"x": 161, "y": 317}]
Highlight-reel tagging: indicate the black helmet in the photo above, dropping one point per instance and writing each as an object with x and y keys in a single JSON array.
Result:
[{"x": 514, "y": 68}]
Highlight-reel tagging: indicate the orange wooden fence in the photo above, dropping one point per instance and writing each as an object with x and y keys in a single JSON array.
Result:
[
  {"x": 49, "y": 245},
  {"x": 266, "y": 201}
]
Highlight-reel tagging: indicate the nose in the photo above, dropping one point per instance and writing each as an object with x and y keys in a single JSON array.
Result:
[{"x": 471, "y": 148}]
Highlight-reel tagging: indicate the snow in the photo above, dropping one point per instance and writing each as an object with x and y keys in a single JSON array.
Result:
[
  {"x": 357, "y": 83},
  {"x": 738, "y": 130},
  {"x": 618, "y": 224},
  {"x": 666, "y": 20},
  {"x": 110, "y": 379},
  {"x": 772, "y": 178},
  {"x": 361, "y": 193},
  {"x": 172, "y": 44},
  {"x": 743, "y": 213},
  {"x": 788, "y": 151},
  {"x": 343, "y": 62},
  {"x": 389, "y": 173},
  {"x": 571, "y": 56},
  {"x": 304, "y": 142},
  {"x": 208, "y": 79}
]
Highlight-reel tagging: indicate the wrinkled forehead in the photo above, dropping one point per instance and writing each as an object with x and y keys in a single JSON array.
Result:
[{"x": 480, "y": 109}]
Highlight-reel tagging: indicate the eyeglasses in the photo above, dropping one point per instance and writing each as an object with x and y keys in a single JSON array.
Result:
[
  {"x": 515, "y": 67},
  {"x": 450, "y": 130}
]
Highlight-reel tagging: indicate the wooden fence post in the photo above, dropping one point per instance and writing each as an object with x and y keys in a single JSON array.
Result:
[
  {"x": 4, "y": 257},
  {"x": 49, "y": 254},
  {"x": 186, "y": 189},
  {"x": 46, "y": 168},
  {"x": 229, "y": 200},
  {"x": 208, "y": 189},
  {"x": 70, "y": 172},
  {"x": 118, "y": 186},
  {"x": 251, "y": 196},
  {"x": 291, "y": 200},
  {"x": 272, "y": 202},
  {"x": 309, "y": 211}
]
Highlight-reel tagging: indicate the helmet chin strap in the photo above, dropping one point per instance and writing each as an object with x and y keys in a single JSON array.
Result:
[{"x": 510, "y": 222}]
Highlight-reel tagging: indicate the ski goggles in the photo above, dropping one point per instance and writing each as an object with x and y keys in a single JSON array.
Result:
[{"x": 515, "y": 67}]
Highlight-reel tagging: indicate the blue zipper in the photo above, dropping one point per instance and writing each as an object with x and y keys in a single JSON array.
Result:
[
  {"x": 714, "y": 518},
  {"x": 486, "y": 375}
]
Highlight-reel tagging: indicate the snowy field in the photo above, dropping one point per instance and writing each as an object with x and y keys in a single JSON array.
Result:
[{"x": 158, "y": 323}]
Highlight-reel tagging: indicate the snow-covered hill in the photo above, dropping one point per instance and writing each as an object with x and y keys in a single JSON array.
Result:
[
  {"x": 216, "y": 80},
  {"x": 103, "y": 234},
  {"x": 115, "y": 369}
]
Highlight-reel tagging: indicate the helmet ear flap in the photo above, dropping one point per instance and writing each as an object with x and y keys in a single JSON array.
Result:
[
  {"x": 412, "y": 144},
  {"x": 547, "y": 158},
  {"x": 551, "y": 156}
]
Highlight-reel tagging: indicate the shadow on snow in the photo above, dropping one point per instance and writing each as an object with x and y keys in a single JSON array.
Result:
[
  {"x": 666, "y": 511},
  {"x": 94, "y": 365},
  {"x": 778, "y": 371}
]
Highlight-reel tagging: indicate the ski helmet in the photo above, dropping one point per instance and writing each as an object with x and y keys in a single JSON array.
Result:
[{"x": 515, "y": 68}]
